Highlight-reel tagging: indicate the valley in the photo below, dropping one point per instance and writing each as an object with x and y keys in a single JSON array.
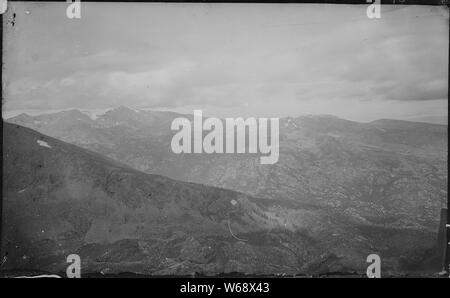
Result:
[{"x": 340, "y": 191}]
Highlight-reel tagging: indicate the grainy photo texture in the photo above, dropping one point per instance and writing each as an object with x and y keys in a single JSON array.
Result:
[{"x": 175, "y": 139}]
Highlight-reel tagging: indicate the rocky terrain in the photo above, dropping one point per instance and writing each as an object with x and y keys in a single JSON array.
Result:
[
  {"x": 387, "y": 172},
  {"x": 340, "y": 191},
  {"x": 60, "y": 199}
]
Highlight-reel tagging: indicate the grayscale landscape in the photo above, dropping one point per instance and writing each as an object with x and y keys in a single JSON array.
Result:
[
  {"x": 89, "y": 169},
  {"x": 342, "y": 190}
]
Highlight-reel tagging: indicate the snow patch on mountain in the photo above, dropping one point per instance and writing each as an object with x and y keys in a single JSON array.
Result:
[
  {"x": 43, "y": 144},
  {"x": 95, "y": 114}
]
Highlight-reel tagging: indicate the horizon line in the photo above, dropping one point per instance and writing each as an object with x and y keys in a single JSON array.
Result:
[{"x": 93, "y": 113}]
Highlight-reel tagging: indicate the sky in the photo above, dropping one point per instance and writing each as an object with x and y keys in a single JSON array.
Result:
[{"x": 249, "y": 60}]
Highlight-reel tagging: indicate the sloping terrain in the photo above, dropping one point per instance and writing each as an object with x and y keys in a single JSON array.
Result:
[
  {"x": 59, "y": 199},
  {"x": 386, "y": 172},
  {"x": 340, "y": 191}
]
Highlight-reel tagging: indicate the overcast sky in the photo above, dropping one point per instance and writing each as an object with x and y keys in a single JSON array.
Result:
[{"x": 229, "y": 59}]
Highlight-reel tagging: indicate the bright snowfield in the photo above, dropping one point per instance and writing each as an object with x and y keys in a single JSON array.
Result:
[{"x": 43, "y": 144}]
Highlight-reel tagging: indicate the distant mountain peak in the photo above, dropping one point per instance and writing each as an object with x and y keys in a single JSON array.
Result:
[
  {"x": 403, "y": 123},
  {"x": 73, "y": 112},
  {"x": 121, "y": 108},
  {"x": 124, "y": 109},
  {"x": 23, "y": 116}
]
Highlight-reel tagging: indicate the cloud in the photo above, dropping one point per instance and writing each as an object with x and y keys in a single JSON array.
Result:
[{"x": 288, "y": 58}]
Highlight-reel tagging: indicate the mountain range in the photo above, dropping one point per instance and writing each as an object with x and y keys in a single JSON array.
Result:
[{"x": 340, "y": 191}]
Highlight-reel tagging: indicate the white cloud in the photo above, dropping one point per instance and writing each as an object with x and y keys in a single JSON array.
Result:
[{"x": 285, "y": 59}]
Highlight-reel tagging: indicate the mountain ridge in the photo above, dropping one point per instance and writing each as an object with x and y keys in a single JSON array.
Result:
[
  {"x": 61, "y": 199},
  {"x": 128, "y": 109},
  {"x": 348, "y": 179}
]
